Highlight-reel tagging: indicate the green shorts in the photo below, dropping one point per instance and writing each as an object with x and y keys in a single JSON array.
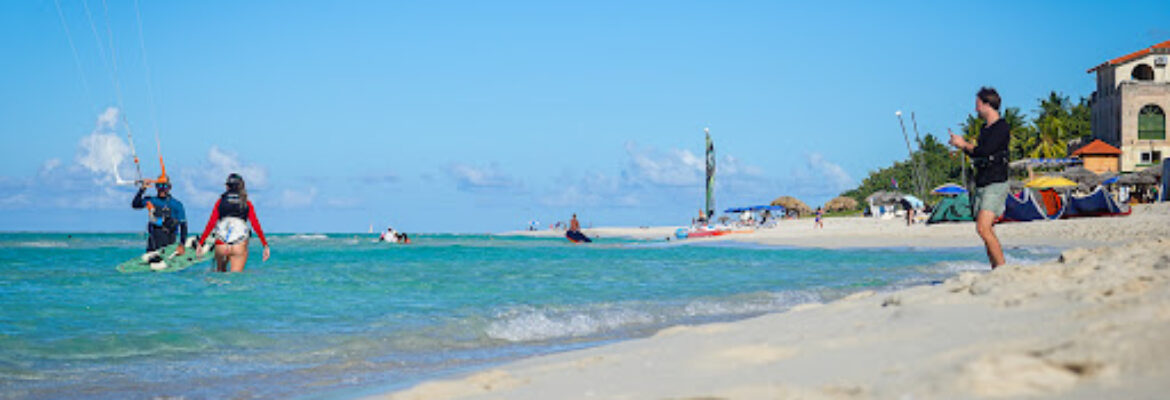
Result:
[{"x": 991, "y": 198}]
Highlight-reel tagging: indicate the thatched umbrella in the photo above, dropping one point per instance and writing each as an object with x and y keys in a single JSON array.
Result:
[
  {"x": 792, "y": 205},
  {"x": 884, "y": 198},
  {"x": 841, "y": 204},
  {"x": 1137, "y": 179},
  {"x": 1155, "y": 171},
  {"x": 1081, "y": 176}
]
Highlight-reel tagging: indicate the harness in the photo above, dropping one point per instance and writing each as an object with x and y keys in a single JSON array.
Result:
[{"x": 998, "y": 158}]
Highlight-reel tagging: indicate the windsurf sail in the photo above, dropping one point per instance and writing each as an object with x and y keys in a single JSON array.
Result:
[{"x": 710, "y": 174}]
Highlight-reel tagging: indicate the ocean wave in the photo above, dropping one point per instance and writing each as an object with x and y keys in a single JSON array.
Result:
[
  {"x": 309, "y": 236},
  {"x": 537, "y": 325},
  {"x": 39, "y": 244},
  {"x": 532, "y": 324}
]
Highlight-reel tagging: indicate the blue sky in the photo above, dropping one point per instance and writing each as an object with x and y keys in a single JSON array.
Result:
[{"x": 481, "y": 116}]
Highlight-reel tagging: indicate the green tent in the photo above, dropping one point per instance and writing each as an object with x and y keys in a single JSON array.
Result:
[{"x": 952, "y": 209}]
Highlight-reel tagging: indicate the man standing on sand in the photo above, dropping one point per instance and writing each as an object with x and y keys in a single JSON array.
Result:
[{"x": 990, "y": 158}]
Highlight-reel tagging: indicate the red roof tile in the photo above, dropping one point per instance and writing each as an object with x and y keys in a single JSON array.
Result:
[
  {"x": 1097, "y": 147},
  {"x": 1131, "y": 56}
]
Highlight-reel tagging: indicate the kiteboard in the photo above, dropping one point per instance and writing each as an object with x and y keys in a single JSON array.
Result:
[
  {"x": 577, "y": 237},
  {"x": 164, "y": 260}
]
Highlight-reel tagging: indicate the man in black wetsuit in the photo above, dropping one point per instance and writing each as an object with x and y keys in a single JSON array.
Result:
[
  {"x": 991, "y": 158},
  {"x": 167, "y": 217}
]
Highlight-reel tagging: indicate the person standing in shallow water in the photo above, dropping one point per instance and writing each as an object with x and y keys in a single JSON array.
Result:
[
  {"x": 229, "y": 222},
  {"x": 167, "y": 217},
  {"x": 990, "y": 156}
]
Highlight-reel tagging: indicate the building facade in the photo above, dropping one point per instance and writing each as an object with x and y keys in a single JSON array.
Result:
[{"x": 1130, "y": 105}]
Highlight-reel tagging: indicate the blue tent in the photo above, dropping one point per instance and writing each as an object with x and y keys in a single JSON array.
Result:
[
  {"x": 1098, "y": 203},
  {"x": 1029, "y": 206}
]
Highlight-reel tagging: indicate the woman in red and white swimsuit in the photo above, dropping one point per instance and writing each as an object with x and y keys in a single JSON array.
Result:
[{"x": 229, "y": 222}]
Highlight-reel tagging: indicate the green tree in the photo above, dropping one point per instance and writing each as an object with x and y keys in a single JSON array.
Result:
[{"x": 1051, "y": 138}]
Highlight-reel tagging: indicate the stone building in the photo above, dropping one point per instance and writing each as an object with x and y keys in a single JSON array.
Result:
[{"x": 1130, "y": 105}]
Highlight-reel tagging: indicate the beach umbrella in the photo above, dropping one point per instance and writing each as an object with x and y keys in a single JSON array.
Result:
[
  {"x": 884, "y": 198},
  {"x": 1155, "y": 171},
  {"x": 949, "y": 189},
  {"x": 1081, "y": 175},
  {"x": 792, "y": 204},
  {"x": 1050, "y": 182},
  {"x": 734, "y": 210},
  {"x": 914, "y": 201},
  {"x": 841, "y": 204},
  {"x": 1137, "y": 179}
]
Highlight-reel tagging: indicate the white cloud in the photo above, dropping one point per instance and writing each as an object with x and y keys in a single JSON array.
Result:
[
  {"x": 830, "y": 172},
  {"x": 468, "y": 177},
  {"x": 676, "y": 168},
  {"x": 290, "y": 198},
  {"x": 590, "y": 191},
  {"x": 661, "y": 179},
  {"x": 103, "y": 151},
  {"x": 205, "y": 183},
  {"x": 107, "y": 120}
]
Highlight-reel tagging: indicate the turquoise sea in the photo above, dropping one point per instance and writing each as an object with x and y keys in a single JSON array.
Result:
[{"x": 339, "y": 316}]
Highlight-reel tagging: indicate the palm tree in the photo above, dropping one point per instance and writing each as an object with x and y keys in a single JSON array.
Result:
[
  {"x": 1021, "y": 132},
  {"x": 1051, "y": 137},
  {"x": 971, "y": 128}
]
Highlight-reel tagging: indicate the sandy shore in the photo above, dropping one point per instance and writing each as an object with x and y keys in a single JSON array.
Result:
[
  {"x": 1091, "y": 325},
  {"x": 846, "y": 232}
]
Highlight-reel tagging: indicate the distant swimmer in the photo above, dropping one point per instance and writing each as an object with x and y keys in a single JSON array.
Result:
[
  {"x": 166, "y": 215},
  {"x": 229, "y": 223},
  {"x": 990, "y": 156}
]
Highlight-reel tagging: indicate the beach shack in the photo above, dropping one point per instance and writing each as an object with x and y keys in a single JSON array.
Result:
[{"x": 1099, "y": 157}]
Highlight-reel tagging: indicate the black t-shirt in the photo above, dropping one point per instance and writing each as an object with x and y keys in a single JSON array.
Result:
[{"x": 991, "y": 154}]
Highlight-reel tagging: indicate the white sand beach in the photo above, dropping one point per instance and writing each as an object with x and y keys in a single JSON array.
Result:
[{"x": 1091, "y": 325}]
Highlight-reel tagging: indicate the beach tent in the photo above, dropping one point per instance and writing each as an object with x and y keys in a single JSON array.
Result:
[
  {"x": 949, "y": 189},
  {"x": 952, "y": 209},
  {"x": 1096, "y": 204},
  {"x": 1030, "y": 205}
]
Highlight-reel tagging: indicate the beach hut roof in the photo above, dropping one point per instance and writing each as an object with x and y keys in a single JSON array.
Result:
[
  {"x": 1097, "y": 147},
  {"x": 841, "y": 203},
  {"x": 1137, "y": 179},
  {"x": 793, "y": 204},
  {"x": 883, "y": 197},
  {"x": 1082, "y": 176}
]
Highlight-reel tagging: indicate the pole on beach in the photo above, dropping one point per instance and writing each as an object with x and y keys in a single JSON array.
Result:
[
  {"x": 918, "y": 160},
  {"x": 906, "y": 136}
]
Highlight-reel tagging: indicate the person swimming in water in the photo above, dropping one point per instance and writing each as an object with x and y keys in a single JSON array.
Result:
[
  {"x": 229, "y": 222},
  {"x": 167, "y": 217}
]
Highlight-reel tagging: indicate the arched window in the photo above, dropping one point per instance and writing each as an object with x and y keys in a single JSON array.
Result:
[
  {"x": 1142, "y": 72},
  {"x": 1152, "y": 123}
]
